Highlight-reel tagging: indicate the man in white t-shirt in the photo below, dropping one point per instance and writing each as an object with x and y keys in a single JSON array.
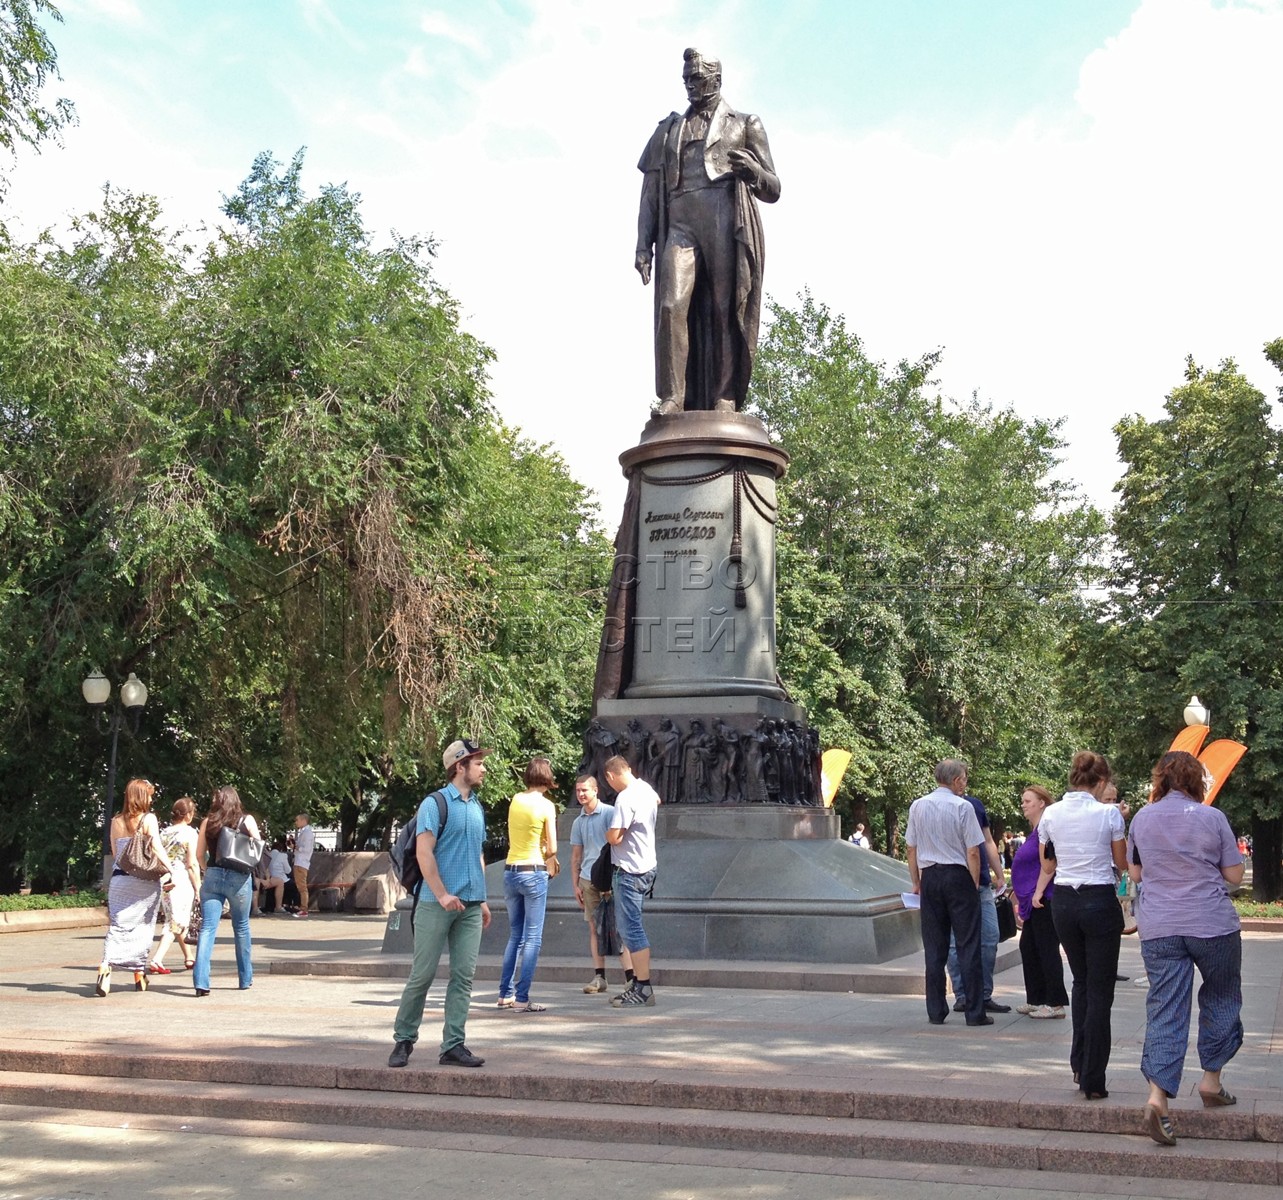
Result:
[
  {"x": 632, "y": 834},
  {"x": 304, "y": 841}
]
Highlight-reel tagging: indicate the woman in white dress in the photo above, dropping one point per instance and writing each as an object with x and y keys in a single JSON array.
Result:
[
  {"x": 179, "y": 840},
  {"x": 132, "y": 903}
]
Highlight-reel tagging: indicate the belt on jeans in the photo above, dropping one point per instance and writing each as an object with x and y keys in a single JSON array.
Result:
[{"x": 526, "y": 867}]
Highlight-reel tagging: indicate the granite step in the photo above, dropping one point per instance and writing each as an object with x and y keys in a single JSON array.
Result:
[
  {"x": 896, "y": 977},
  {"x": 1024, "y": 1104},
  {"x": 409, "y": 1108}
]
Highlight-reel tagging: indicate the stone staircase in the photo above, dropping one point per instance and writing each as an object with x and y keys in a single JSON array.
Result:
[{"x": 1025, "y": 1131}]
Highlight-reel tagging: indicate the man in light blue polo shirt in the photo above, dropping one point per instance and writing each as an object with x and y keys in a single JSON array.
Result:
[
  {"x": 454, "y": 913},
  {"x": 587, "y": 837}
]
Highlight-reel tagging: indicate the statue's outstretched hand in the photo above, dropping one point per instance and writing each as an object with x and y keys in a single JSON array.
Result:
[{"x": 643, "y": 266}]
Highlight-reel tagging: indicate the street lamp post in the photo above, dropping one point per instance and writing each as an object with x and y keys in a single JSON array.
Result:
[{"x": 96, "y": 690}]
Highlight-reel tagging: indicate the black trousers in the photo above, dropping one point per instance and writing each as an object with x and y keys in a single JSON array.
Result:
[
  {"x": 1089, "y": 923},
  {"x": 1040, "y": 958},
  {"x": 951, "y": 904}
]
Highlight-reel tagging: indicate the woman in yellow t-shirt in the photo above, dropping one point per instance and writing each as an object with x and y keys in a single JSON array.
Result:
[{"x": 532, "y": 861}]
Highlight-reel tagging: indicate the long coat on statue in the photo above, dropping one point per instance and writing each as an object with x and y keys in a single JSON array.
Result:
[{"x": 660, "y": 165}]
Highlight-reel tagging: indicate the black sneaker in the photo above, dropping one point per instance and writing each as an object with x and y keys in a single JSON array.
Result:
[
  {"x": 635, "y": 997},
  {"x": 460, "y": 1056},
  {"x": 992, "y": 1006},
  {"x": 616, "y": 1001},
  {"x": 400, "y": 1054},
  {"x": 959, "y": 1006}
]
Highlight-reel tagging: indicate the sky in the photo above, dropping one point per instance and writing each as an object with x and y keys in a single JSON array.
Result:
[{"x": 1066, "y": 197}]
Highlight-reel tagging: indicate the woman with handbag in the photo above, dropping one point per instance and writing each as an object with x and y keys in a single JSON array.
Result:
[
  {"x": 229, "y": 838},
  {"x": 133, "y": 894},
  {"x": 179, "y": 841},
  {"x": 532, "y": 861}
]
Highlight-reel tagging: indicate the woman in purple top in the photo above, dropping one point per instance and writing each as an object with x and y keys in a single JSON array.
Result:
[
  {"x": 1183, "y": 854},
  {"x": 1045, "y": 995}
]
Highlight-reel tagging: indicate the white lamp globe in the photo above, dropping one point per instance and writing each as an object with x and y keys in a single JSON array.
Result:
[{"x": 96, "y": 688}]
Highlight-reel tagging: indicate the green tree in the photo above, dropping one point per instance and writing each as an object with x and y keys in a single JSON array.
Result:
[
  {"x": 265, "y": 474},
  {"x": 927, "y": 559},
  {"x": 1194, "y": 596},
  {"x": 27, "y": 62}
]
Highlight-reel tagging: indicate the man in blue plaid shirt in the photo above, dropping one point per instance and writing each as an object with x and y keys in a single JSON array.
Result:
[{"x": 452, "y": 907}]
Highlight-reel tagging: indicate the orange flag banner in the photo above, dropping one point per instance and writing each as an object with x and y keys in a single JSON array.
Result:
[
  {"x": 1220, "y": 758},
  {"x": 1190, "y": 739}
]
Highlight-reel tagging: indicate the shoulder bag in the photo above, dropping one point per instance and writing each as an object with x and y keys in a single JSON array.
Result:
[
  {"x": 1006, "y": 917},
  {"x": 237, "y": 851},
  {"x": 140, "y": 858},
  {"x": 602, "y": 874}
]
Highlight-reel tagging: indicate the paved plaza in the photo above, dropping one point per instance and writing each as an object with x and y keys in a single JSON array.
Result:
[{"x": 778, "y": 1041}]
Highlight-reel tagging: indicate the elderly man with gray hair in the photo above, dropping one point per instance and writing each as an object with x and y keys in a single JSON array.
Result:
[{"x": 944, "y": 840}]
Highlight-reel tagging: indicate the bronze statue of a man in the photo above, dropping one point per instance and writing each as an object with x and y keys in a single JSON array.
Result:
[{"x": 702, "y": 171}]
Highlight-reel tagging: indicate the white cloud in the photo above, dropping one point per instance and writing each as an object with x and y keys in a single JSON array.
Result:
[
  {"x": 126, "y": 12},
  {"x": 438, "y": 25},
  {"x": 1067, "y": 269}
]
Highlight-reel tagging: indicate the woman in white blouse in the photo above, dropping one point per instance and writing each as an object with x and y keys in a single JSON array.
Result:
[{"x": 1081, "y": 842}]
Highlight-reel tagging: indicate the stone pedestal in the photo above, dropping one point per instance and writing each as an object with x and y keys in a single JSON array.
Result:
[
  {"x": 751, "y": 867},
  {"x": 704, "y": 616},
  {"x": 746, "y": 883},
  {"x": 687, "y": 688}
]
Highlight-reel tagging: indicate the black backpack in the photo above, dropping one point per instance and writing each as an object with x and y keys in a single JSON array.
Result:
[
  {"x": 603, "y": 871},
  {"x": 405, "y": 859}
]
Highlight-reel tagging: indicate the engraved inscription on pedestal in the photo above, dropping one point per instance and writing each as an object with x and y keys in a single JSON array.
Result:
[{"x": 704, "y": 622}]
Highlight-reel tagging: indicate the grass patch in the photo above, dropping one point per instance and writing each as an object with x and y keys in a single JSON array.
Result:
[
  {"x": 1257, "y": 910},
  {"x": 86, "y": 899}
]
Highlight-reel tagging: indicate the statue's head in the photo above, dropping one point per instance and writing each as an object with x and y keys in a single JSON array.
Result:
[{"x": 701, "y": 75}]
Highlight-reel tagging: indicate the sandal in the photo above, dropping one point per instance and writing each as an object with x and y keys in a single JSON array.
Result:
[
  {"x": 1217, "y": 1099},
  {"x": 188, "y": 964},
  {"x": 505, "y": 1002},
  {"x": 157, "y": 969},
  {"x": 529, "y": 1006},
  {"x": 1159, "y": 1126}
]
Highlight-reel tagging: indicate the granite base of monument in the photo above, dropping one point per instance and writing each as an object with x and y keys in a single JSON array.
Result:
[{"x": 741, "y": 882}]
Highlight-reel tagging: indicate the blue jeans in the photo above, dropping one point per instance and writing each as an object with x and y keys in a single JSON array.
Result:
[
  {"x": 525, "y": 893},
  {"x": 1170, "y": 963},
  {"x": 220, "y": 884},
  {"x": 630, "y": 895},
  {"x": 988, "y": 948}
]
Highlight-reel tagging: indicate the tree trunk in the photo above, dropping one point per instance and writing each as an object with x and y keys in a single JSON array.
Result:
[
  {"x": 891, "y": 822},
  {"x": 1267, "y": 849},
  {"x": 350, "y": 818}
]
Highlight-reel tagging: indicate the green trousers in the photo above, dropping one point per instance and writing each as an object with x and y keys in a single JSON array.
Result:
[{"x": 434, "y": 929}]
